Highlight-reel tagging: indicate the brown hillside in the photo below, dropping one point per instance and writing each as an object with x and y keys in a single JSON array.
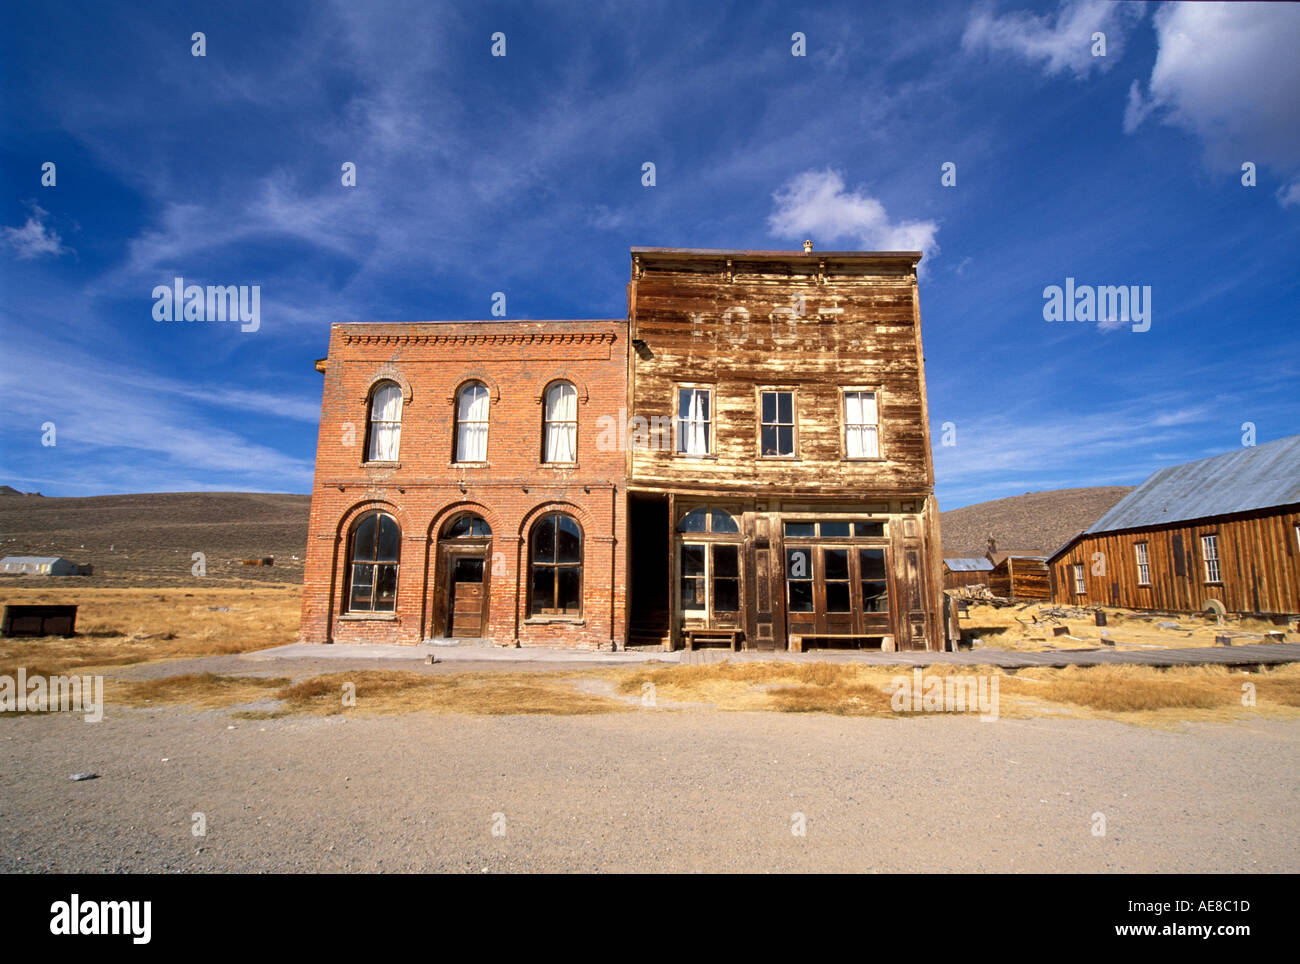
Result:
[
  {"x": 1040, "y": 521},
  {"x": 150, "y": 539}
]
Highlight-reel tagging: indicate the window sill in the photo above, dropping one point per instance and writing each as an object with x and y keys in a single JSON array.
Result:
[
  {"x": 381, "y": 465},
  {"x": 368, "y": 617},
  {"x": 864, "y": 458},
  {"x": 469, "y": 465},
  {"x": 695, "y": 458},
  {"x": 779, "y": 458},
  {"x": 547, "y": 620},
  {"x": 557, "y": 465}
]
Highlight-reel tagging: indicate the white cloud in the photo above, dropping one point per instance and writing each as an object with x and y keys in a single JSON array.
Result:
[
  {"x": 1227, "y": 72},
  {"x": 1058, "y": 42},
  {"x": 1289, "y": 195},
  {"x": 35, "y": 238},
  {"x": 817, "y": 204}
]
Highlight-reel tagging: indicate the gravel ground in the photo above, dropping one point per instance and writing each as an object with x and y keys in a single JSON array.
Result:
[{"x": 650, "y": 791}]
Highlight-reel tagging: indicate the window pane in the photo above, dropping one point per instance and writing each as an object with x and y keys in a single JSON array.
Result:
[
  {"x": 468, "y": 570},
  {"x": 723, "y": 522},
  {"x": 384, "y": 440},
  {"x": 785, "y": 408},
  {"x": 385, "y": 588},
  {"x": 835, "y": 530},
  {"x": 726, "y": 561},
  {"x": 800, "y": 530},
  {"x": 692, "y": 560},
  {"x": 785, "y": 440},
  {"x": 769, "y": 406},
  {"x": 363, "y": 543},
  {"x": 801, "y": 600},
  {"x": 569, "y": 544},
  {"x": 390, "y": 539},
  {"x": 726, "y": 595},
  {"x": 872, "y": 563},
  {"x": 695, "y": 521},
  {"x": 692, "y": 592},
  {"x": 543, "y": 589},
  {"x": 362, "y": 577},
  {"x": 837, "y": 597},
  {"x": 569, "y": 589},
  {"x": 544, "y": 540},
  {"x": 798, "y": 563},
  {"x": 769, "y": 440},
  {"x": 874, "y": 530},
  {"x": 875, "y": 597},
  {"x": 836, "y": 562}
]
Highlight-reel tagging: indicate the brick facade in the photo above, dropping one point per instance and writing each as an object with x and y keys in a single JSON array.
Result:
[{"x": 424, "y": 489}]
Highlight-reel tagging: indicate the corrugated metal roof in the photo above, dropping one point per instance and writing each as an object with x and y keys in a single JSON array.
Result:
[
  {"x": 1258, "y": 477},
  {"x": 28, "y": 560},
  {"x": 968, "y": 565}
]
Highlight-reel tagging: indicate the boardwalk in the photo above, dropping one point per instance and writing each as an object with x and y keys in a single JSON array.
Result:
[{"x": 1255, "y": 654}]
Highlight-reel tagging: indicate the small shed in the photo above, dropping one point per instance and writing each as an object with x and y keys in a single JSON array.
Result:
[
  {"x": 1021, "y": 578},
  {"x": 41, "y": 566},
  {"x": 966, "y": 572}
]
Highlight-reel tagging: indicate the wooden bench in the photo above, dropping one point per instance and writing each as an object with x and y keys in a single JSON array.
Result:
[
  {"x": 796, "y": 639},
  {"x": 29, "y": 620},
  {"x": 732, "y": 636}
]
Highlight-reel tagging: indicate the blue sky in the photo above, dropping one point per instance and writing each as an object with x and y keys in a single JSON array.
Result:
[{"x": 523, "y": 174}]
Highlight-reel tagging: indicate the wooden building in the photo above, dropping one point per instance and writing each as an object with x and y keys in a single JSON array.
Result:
[
  {"x": 1221, "y": 533},
  {"x": 1021, "y": 578},
  {"x": 958, "y": 573},
  {"x": 780, "y": 484}
]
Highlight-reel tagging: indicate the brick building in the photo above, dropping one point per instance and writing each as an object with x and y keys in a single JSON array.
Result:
[{"x": 744, "y": 460}]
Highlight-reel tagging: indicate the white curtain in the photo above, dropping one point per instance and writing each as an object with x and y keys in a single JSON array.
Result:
[
  {"x": 561, "y": 423},
  {"x": 860, "y": 425},
  {"x": 695, "y": 427},
  {"x": 385, "y": 423},
  {"x": 472, "y": 424}
]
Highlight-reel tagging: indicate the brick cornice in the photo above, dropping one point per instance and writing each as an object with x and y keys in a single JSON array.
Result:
[{"x": 498, "y": 338}]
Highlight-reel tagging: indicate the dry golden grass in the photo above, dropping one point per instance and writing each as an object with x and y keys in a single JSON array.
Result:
[
  {"x": 201, "y": 690},
  {"x": 1134, "y": 694},
  {"x": 121, "y": 626}
]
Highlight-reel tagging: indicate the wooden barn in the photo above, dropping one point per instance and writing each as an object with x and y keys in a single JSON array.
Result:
[
  {"x": 1021, "y": 578},
  {"x": 1221, "y": 533},
  {"x": 958, "y": 573}
]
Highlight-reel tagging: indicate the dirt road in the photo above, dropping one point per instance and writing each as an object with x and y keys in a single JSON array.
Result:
[{"x": 654, "y": 790}]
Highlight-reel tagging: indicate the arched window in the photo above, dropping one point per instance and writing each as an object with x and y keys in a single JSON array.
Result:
[
  {"x": 472, "y": 423},
  {"x": 468, "y": 526},
  {"x": 708, "y": 520},
  {"x": 374, "y": 551},
  {"x": 555, "y": 563},
  {"x": 385, "y": 427},
  {"x": 560, "y": 424}
]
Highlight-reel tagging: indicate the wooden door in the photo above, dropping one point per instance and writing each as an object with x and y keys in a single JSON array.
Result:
[{"x": 467, "y": 595}]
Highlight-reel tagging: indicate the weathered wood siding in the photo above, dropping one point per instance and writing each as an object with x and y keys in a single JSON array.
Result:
[
  {"x": 1259, "y": 566},
  {"x": 1019, "y": 578},
  {"x": 815, "y": 325},
  {"x": 956, "y": 580},
  {"x": 740, "y": 332}
]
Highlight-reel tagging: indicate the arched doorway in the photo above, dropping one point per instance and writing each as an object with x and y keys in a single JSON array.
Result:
[{"x": 465, "y": 572}]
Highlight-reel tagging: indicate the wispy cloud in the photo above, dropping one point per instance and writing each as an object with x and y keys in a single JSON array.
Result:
[
  {"x": 36, "y": 238},
  {"x": 1058, "y": 42},
  {"x": 818, "y": 204}
]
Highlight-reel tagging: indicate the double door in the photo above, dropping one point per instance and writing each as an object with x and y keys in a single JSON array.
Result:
[{"x": 837, "y": 590}]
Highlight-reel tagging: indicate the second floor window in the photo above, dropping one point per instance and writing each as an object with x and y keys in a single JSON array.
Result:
[
  {"x": 472, "y": 423},
  {"x": 1144, "y": 566},
  {"x": 861, "y": 425},
  {"x": 694, "y": 421},
  {"x": 560, "y": 426},
  {"x": 385, "y": 422},
  {"x": 1210, "y": 550},
  {"x": 776, "y": 429}
]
